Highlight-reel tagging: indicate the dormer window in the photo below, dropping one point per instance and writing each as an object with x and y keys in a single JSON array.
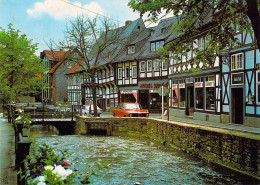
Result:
[
  {"x": 163, "y": 30},
  {"x": 131, "y": 49},
  {"x": 157, "y": 45}
]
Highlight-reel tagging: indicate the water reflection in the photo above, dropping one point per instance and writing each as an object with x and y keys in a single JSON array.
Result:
[{"x": 139, "y": 160}]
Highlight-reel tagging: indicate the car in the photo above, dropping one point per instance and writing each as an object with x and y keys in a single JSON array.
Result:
[
  {"x": 86, "y": 109},
  {"x": 125, "y": 109}
]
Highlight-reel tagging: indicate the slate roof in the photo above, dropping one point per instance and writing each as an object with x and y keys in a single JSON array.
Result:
[
  {"x": 62, "y": 58},
  {"x": 160, "y": 32},
  {"x": 126, "y": 32}
]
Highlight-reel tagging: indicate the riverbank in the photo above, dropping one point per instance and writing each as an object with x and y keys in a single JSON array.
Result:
[
  {"x": 236, "y": 150},
  {"x": 8, "y": 174}
]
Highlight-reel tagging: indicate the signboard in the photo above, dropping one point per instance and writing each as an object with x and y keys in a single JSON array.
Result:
[
  {"x": 210, "y": 84},
  {"x": 182, "y": 86},
  {"x": 165, "y": 91},
  {"x": 153, "y": 84},
  {"x": 237, "y": 78},
  {"x": 199, "y": 84},
  {"x": 128, "y": 91}
]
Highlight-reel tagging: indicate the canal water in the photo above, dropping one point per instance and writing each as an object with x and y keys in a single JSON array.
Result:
[{"x": 139, "y": 160}]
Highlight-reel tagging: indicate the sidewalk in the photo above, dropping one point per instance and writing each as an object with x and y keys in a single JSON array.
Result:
[
  {"x": 233, "y": 127},
  {"x": 8, "y": 174}
]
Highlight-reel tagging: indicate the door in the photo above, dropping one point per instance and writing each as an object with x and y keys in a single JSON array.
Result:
[
  {"x": 237, "y": 106},
  {"x": 190, "y": 101},
  {"x": 144, "y": 99}
]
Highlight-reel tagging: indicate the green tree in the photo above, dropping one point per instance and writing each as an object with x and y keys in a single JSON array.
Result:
[
  {"x": 20, "y": 68},
  {"x": 224, "y": 16}
]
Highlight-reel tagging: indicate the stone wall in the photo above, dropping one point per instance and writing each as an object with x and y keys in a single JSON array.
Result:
[{"x": 235, "y": 150}]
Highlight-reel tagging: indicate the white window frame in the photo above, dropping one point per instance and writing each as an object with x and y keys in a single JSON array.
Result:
[
  {"x": 142, "y": 63},
  {"x": 127, "y": 72},
  {"x": 150, "y": 68},
  {"x": 235, "y": 57},
  {"x": 131, "y": 49},
  {"x": 164, "y": 62},
  {"x": 156, "y": 65},
  {"x": 257, "y": 85},
  {"x": 153, "y": 46},
  {"x": 120, "y": 73},
  {"x": 134, "y": 71}
]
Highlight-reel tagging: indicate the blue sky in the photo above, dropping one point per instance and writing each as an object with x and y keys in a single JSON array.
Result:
[{"x": 42, "y": 20}]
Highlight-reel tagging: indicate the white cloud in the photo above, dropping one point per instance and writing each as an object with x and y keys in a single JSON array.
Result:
[{"x": 62, "y": 10}]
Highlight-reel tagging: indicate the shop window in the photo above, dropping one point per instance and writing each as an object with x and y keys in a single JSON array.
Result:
[
  {"x": 134, "y": 71},
  {"x": 120, "y": 71},
  {"x": 210, "y": 98},
  {"x": 142, "y": 66},
  {"x": 182, "y": 97},
  {"x": 149, "y": 65},
  {"x": 175, "y": 96},
  {"x": 237, "y": 61},
  {"x": 199, "y": 98},
  {"x": 156, "y": 65}
]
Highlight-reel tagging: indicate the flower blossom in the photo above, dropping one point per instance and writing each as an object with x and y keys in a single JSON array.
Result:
[
  {"x": 41, "y": 180},
  {"x": 61, "y": 172},
  {"x": 48, "y": 167}
]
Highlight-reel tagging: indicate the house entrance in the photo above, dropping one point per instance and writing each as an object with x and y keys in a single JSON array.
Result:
[
  {"x": 237, "y": 106},
  {"x": 144, "y": 99},
  {"x": 190, "y": 101}
]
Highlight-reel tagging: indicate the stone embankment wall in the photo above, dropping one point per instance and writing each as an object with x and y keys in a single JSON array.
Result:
[{"x": 235, "y": 150}]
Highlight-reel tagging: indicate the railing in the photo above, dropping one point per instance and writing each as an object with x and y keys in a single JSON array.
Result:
[{"x": 22, "y": 149}]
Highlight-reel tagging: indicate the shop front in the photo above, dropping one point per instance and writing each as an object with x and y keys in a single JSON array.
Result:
[
  {"x": 195, "y": 95},
  {"x": 149, "y": 97}
]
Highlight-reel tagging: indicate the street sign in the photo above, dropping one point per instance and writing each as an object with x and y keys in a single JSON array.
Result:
[{"x": 165, "y": 91}]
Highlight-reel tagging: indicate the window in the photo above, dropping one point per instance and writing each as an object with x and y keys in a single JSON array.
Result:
[
  {"x": 199, "y": 98},
  {"x": 201, "y": 43},
  {"x": 156, "y": 45},
  {"x": 134, "y": 72},
  {"x": 127, "y": 72},
  {"x": 111, "y": 72},
  {"x": 153, "y": 46},
  {"x": 182, "y": 95},
  {"x": 258, "y": 86},
  {"x": 131, "y": 49},
  {"x": 108, "y": 73},
  {"x": 149, "y": 65},
  {"x": 156, "y": 65},
  {"x": 210, "y": 98},
  {"x": 103, "y": 73},
  {"x": 164, "y": 65},
  {"x": 237, "y": 61},
  {"x": 175, "y": 94},
  {"x": 142, "y": 66},
  {"x": 162, "y": 43},
  {"x": 120, "y": 71}
]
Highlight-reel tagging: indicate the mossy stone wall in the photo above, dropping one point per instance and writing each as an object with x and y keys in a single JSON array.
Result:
[{"x": 235, "y": 150}]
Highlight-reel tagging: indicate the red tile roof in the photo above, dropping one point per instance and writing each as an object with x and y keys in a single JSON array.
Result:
[
  {"x": 63, "y": 57},
  {"x": 54, "y": 55},
  {"x": 75, "y": 68}
]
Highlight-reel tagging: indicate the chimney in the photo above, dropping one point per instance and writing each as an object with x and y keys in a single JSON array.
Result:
[{"x": 127, "y": 22}]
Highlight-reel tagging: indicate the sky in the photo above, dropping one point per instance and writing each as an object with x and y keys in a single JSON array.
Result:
[{"x": 42, "y": 20}]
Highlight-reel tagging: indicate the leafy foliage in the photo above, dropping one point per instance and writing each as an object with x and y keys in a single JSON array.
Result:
[
  {"x": 19, "y": 65},
  {"x": 223, "y": 18}
]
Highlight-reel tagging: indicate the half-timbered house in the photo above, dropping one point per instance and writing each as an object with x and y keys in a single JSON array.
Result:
[
  {"x": 196, "y": 95},
  {"x": 241, "y": 83},
  {"x": 151, "y": 69}
]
